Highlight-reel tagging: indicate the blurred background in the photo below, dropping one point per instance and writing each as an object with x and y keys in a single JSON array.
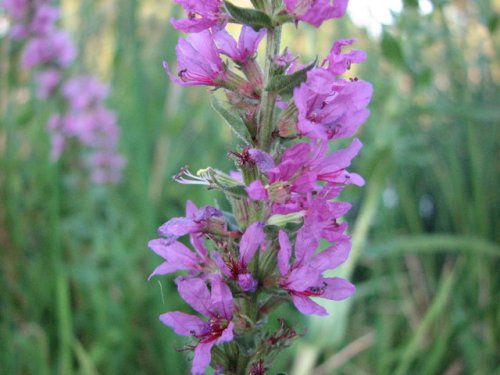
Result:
[{"x": 74, "y": 296}]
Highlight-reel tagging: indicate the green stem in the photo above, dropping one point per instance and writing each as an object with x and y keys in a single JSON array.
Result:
[{"x": 63, "y": 312}]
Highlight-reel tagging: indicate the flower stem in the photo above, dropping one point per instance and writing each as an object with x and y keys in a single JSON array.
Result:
[{"x": 268, "y": 100}]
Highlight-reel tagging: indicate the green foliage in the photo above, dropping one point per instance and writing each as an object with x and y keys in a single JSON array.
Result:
[
  {"x": 251, "y": 17},
  {"x": 236, "y": 124},
  {"x": 284, "y": 84},
  {"x": 74, "y": 259}
]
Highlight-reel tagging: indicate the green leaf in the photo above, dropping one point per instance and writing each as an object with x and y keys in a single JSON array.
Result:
[
  {"x": 411, "y": 3},
  {"x": 391, "y": 49},
  {"x": 493, "y": 23},
  {"x": 251, "y": 17},
  {"x": 284, "y": 84},
  {"x": 237, "y": 125}
]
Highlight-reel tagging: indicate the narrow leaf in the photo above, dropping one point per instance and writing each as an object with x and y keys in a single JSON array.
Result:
[
  {"x": 236, "y": 123},
  {"x": 251, "y": 17}
]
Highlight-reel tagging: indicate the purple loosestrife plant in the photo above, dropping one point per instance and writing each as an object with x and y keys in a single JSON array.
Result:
[
  {"x": 85, "y": 120},
  {"x": 241, "y": 265}
]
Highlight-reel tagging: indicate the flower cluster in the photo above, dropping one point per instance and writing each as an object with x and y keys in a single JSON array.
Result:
[
  {"x": 85, "y": 121},
  {"x": 284, "y": 196}
]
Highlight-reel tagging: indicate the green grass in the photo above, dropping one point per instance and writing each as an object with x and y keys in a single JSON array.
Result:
[{"x": 74, "y": 260}]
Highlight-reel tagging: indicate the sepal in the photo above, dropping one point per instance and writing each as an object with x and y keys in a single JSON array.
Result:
[{"x": 282, "y": 220}]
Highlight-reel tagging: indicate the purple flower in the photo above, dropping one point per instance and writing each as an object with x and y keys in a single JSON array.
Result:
[
  {"x": 246, "y": 47},
  {"x": 285, "y": 59},
  {"x": 197, "y": 220},
  {"x": 198, "y": 62},
  {"x": 237, "y": 269},
  {"x": 293, "y": 183},
  {"x": 303, "y": 279},
  {"x": 320, "y": 219},
  {"x": 201, "y": 15},
  {"x": 216, "y": 305},
  {"x": 329, "y": 107},
  {"x": 338, "y": 62},
  {"x": 54, "y": 48},
  {"x": 316, "y": 11}
]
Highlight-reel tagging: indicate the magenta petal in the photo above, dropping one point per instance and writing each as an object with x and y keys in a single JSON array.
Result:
[
  {"x": 256, "y": 191},
  {"x": 356, "y": 179},
  {"x": 202, "y": 357},
  {"x": 177, "y": 227},
  {"x": 195, "y": 292},
  {"x": 227, "y": 335},
  {"x": 263, "y": 160},
  {"x": 250, "y": 242},
  {"x": 301, "y": 279},
  {"x": 191, "y": 209},
  {"x": 199, "y": 245},
  {"x": 308, "y": 307},
  {"x": 172, "y": 77},
  {"x": 332, "y": 257},
  {"x": 166, "y": 268},
  {"x": 191, "y": 26},
  {"x": 226, "y": 44},
  {"x": 221, "y": 298},
  {"x": 184, "y": 324},
  {"x": 249, "y": 40},
  {"x": 173, "y": 252},
  {"x": 284, "y": 253},
  {"x": 337, "y": 289},
  {"x": 221, "y": 264},
  {"x": 306, "y": 243},
  {"x": 342, "y": 158}
]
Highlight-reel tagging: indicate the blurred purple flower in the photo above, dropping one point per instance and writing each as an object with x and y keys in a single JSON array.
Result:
[
  {"x": 44, "y": 19},
  {"x": 83, "y": 92},
  {"x": 17, "y": 8},
  {"x": 55, "y": 48},
  {"x": 47, "y": 81},
  {"x": 106, "y": 167}
]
